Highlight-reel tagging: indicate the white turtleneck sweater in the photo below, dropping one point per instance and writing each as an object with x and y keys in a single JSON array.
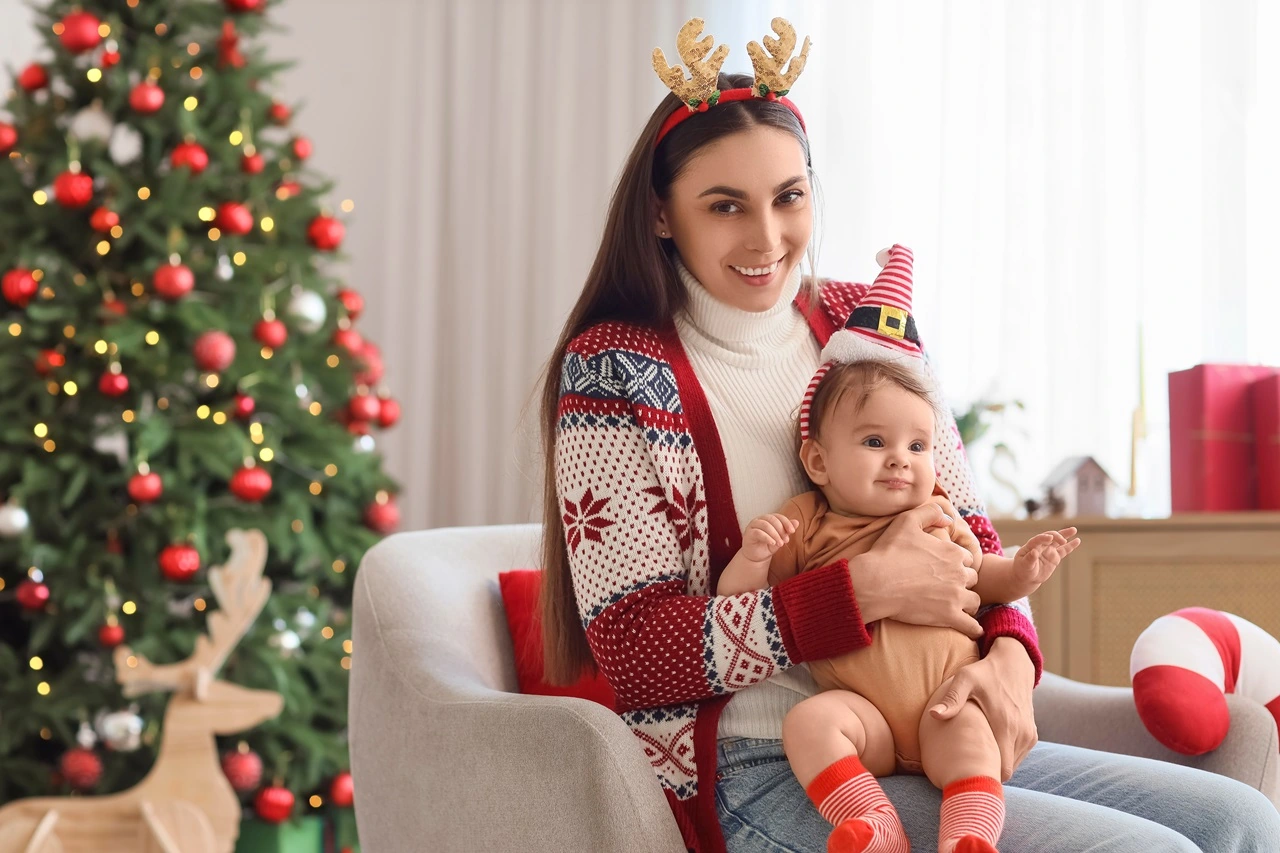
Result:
[{"x": 754, "y": 368}]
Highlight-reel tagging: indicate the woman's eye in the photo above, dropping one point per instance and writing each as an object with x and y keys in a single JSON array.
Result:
[
  {"x": 725, "y": 207},
  {"x": 791, "y": 196},
  {"x": 873, "y": 442}
]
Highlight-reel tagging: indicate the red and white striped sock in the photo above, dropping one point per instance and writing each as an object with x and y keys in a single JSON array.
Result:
[
  {"x": 865, "y": 821},
  {"x": 972, "y": 816}
]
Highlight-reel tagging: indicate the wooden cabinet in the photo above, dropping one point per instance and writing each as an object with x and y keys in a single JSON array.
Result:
[{"x": 1127, "y": 572}]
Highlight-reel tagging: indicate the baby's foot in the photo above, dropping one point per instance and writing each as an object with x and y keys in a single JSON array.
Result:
[
  {"x": 969, "y": 844},
  {"x": 877, "y": 832}
]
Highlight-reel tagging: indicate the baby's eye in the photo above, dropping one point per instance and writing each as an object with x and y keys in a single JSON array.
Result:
[
  {"x": 873, "y": 442},
  {"x": 917, "y": 446}
]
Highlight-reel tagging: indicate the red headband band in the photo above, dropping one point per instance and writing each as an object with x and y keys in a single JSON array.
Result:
[{"x": 683, "y": 112}]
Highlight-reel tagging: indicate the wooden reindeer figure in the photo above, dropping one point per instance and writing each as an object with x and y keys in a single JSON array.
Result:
[{"x": 185, "y": 804}]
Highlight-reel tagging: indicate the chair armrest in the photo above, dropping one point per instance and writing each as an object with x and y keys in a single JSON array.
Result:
[
  {"x": 1098, "y": 717},
  {"x": 443, "y": 762}
]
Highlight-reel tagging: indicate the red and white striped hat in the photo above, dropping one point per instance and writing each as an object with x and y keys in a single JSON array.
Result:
[{"x": 880, "y": 328}]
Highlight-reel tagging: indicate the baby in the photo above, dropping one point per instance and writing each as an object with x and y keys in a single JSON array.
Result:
[{"x": 870, "y": 454}]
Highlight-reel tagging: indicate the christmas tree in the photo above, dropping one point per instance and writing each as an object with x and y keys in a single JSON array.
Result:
[{"x": 177, "y": 359}]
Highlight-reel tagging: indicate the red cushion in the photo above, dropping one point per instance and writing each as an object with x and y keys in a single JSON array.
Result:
[{"x": 520, "y": 598}]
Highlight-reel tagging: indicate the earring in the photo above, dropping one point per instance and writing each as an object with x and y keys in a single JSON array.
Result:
[{"x": 662, "y": 233}]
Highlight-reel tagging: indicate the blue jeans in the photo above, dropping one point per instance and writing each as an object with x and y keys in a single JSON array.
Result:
[{"x": 1061, "y": 799}]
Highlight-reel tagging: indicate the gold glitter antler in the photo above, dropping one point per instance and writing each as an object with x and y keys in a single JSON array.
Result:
[
  {"x": 701, "y": 86},
  {"x": 770, "y": 78}
]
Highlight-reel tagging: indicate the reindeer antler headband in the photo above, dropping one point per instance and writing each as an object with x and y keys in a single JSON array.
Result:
[{"x": 699, "y": 92}]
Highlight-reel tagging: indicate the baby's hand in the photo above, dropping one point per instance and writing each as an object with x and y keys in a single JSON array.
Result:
[
  {"x": 765, "y": 535},
  {"x": 1036, "y": 560}
]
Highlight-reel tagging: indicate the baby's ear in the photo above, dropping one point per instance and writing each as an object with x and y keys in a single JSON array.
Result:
[{"x": 814, "y": 459}]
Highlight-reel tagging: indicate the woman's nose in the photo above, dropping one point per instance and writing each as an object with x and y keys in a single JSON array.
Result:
[{"x": 766, "y": 234}]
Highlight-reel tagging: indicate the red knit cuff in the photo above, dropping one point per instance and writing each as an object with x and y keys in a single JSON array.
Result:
[
  {"x": 818, "y": 616},
  {"x": 835, "y": 775},
  {"x": 984, "y": 784},
  {"x": 1007, "y": 621}
]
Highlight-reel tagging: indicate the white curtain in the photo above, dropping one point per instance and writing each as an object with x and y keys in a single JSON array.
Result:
[{"x": 1064, "y": 171}]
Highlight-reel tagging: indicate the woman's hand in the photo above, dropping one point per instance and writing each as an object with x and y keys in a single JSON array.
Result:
[
  {"x": 1000, "y": 684},
  {"x": 912, "y": 576}
]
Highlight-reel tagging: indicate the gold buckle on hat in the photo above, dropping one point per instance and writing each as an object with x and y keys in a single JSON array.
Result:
[{"x": 898, "y": 330}]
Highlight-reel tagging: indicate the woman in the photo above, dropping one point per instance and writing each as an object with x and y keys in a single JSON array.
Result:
[{"x": 669, "y": 416}]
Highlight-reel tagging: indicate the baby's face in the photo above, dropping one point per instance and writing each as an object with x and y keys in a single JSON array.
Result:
[{"x": 880, "y": 460}]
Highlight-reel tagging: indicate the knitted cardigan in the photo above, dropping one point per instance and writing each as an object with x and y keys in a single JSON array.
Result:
[{"x": 649, "y": 524}]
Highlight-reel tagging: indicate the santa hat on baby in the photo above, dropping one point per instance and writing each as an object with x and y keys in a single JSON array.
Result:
[{"x": 879, "y": 329}]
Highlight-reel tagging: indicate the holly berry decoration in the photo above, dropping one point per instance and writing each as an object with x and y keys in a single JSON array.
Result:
[
  {"x": 191, "y": 155},
  {"x": 348, "y": 339},
  {"x": 274, "y": 804},
  {"x": 81, "y": 768},
  {"x": 32, "y": 595},
  {"x": 271, "y": 333},
  {"x": 179, "y": 562},
  {"x": 252, "y": 164},
  {"x": 146, "y": 98},
  {"x": 33, "y": 77},
  {"x": 234, "y": 218},
  {"x": 342, "y": 792},
  {"x": 243, "y": 769},
  {"x": 250, "y": 484},
  {"x": 110, "y": 58},
  {"x": 279, "y": 113},
  {"x": 110, "y": 636},
  {"x": 214, "y": 351},
  {"x": 364, "y": 407},
  {"x": 145, "y": 488},
  {"x": 388, "y": 412},
  {"x": 173, "y": 281},
  {"x": 325, "y": 233},
  {"x": 352, "y": 301},
  {"x": 48, "y": 361},
  {"x": 302, "y": 148},
  {"x": 73, "y": 189},
  {"x": 19, "y": 286},
  {"x": 80, "y": 32},
  {"x": 243, "y": 406},
  {"x": 382, "y": 516},
  {"x": 103, "y": 220},
  {"x": 371, "y": 358},
  {"x": 229, "y": 55},
  {"x": 113, "y": 384},
  {"x": 8, "y": 137}
]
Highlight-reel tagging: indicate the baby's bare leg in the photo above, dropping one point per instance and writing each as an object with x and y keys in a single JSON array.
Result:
[
  {"x": 837, "y": 742},
  {"x": 961, "y": 757}
]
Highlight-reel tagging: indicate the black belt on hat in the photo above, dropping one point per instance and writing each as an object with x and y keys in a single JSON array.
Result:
[{"x": 885, "y": 320}]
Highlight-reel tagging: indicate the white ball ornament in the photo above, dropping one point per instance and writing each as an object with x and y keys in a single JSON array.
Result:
[
  {"x": 308, "y": 311},
  {"x": 14, "y": 520}
]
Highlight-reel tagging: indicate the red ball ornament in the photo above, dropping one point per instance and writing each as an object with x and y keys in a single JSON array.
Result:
[
  {"x": 146, "y": 98},
  {"x": 19, "y": 286},
  {"x": 382, "y": 518},
  {"x": 234, "y": 218},
  {"x": 325, "y": 233},
  {"x": 243, "y": 770},
  {"x": 145, "y": 488},
  {"x": 302, "y": 148},
  {"x": 243, "y": 406},
  {"x": 80, "y": 32},
  {"x": 252, "y": 164},
  {"x": 352, "y": 301},
  {"x": 110, "y": 636},
  {"x": 274, "y": 804},
  {"x": 279, "y": 112},
  {"x": 356, "y": 427},
  {"x": 388, "y": 412},
  {"x": 271, "y": 333},
  {"x": 113, "y": 384},
  {"x": 371, "y": 358},
  {"x": 33, "y": 77},
  {"x": 246, "y": 5},
  {"x": 191, "y": 155},
  {"x": 114, "y": 307},
  {"x": 179, "y": 562},
  {"x": 214, "y": 351},
  {"x": 81, "y": 768},
  {"x": 251, "y": 484},
  {"x": 287, "y": 189},
  {"x": 348, "y": 339},
  {"x": 48, "y": 361},
  {"x": 32, "y": 595},
  {"x": 110, "y": 58},
  {"x": 173, "y": 281},
  {"x": 364, "y": 407},
  {"x": 103, "y": 220},
  {"x": 73, "y": 189},
  {"x": 342, "y": 791},
  {"x": 8, "y": 137}
]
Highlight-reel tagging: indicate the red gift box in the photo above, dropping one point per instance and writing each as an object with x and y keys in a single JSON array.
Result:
[
  {"x": 1266, "y": 437},
  {"x": 1211, "y": 437}
]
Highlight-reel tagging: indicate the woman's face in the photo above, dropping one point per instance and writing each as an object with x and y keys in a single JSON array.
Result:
[{"x": 741, "y": 217}]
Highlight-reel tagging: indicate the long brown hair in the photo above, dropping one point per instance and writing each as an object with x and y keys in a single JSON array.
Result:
[{"x": 633, "y": 279}]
